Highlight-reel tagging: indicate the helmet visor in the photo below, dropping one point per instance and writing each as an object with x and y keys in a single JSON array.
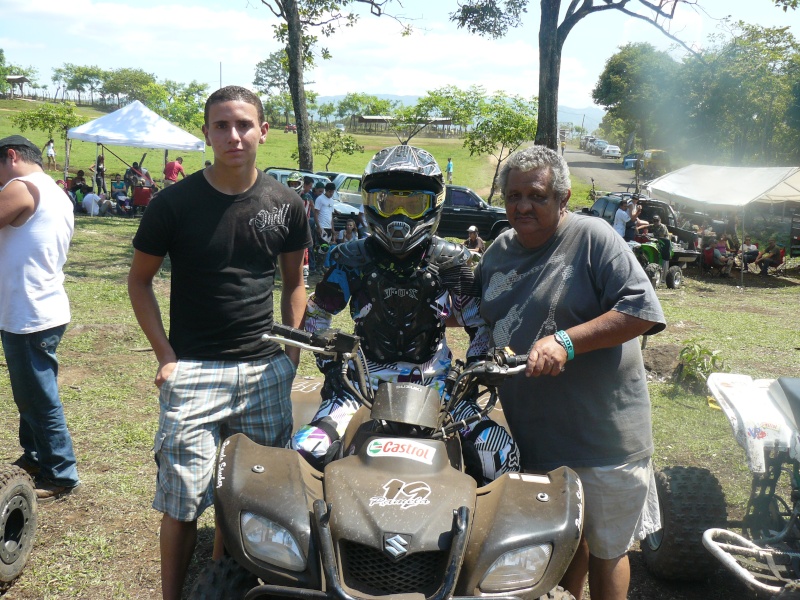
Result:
[{"x": 413, "y": 204}]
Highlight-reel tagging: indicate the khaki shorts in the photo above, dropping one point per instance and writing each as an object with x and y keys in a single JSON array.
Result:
[{"x": 621, "y": 506}]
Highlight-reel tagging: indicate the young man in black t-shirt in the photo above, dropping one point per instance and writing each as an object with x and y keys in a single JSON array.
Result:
[{"x": 224, "y": 228}]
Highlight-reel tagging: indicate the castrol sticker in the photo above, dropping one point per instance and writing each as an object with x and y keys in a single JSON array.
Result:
[{"x": 401, "y": 449}]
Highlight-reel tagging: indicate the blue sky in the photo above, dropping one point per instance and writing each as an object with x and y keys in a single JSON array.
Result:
[{"x": 189, "y": 41}]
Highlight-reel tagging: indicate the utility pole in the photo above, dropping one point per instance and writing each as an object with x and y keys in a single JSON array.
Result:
[{"x": 582, "y": 121}]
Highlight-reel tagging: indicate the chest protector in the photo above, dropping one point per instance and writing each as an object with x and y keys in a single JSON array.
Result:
[{"x": 404, "y": 322}]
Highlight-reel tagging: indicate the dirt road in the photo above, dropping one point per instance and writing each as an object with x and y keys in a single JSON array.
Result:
[{"x": 608, "y": 174}]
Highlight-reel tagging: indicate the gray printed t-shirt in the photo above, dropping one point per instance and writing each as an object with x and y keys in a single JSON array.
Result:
[{"x": 597, "y": 412}]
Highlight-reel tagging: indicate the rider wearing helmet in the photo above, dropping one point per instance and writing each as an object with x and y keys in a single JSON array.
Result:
[
  {"x": 295, "y": 181},
  {"x": 402, "y": 284}
]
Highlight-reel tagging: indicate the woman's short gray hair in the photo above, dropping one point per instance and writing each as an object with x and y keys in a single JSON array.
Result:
[{"x": 537, "y": 157}]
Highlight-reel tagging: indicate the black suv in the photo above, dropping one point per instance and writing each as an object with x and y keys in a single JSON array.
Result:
[{"x": 462, "y": 208}]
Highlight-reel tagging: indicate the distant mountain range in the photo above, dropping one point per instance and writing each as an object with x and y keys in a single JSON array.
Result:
[{"x": 590, "y": 116}]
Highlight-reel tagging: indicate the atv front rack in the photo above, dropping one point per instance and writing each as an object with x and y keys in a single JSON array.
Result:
[
  {"x": 763, "y": 569},
  {"x": 335, "y": 589}
]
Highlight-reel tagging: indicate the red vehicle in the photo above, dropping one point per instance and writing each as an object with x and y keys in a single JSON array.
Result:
[{"x": 290, "y": 127}]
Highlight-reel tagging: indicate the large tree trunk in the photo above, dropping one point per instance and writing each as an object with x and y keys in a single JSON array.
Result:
[
  {"x": 549, "y": 73},
  {"x": 296, "y": 86}
]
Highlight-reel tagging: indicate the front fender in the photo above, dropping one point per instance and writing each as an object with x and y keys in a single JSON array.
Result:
[
  {"x": 276, "y": 483},
  {"x": 519, "y": 510}
]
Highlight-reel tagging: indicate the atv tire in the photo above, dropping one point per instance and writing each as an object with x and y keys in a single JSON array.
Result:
[
  {"x": 224, "y": 579},
  {"x": 557, "y": 593},
  {"x": 18, "y": 518},
  {"x": 690, "y": 501},
  {"x": 653, "y": 272},
  {"x": 674, "y": 277}
]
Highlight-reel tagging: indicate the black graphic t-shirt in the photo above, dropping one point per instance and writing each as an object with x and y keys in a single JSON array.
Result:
[{"x": 223, "y": 252}]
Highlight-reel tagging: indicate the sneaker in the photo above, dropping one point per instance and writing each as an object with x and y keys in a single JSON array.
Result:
[
  {"x": 46, "y": 491},
  {"x": 27, "y": 465}
]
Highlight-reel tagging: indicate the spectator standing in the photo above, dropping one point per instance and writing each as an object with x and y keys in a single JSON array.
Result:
[
  {"x": 50, "y": 151},
  {"x": 449, "y": 170},
  {"x": 171, "y": 171},
  {"x": 474, "y": 241},
  {"x": 323, "y": 214},
  {"x": 225, "y": 228},
  {"x": 36, "y": 226},
  {"x": 99, "y": 170},
  {"x": 565, "y": 290}
]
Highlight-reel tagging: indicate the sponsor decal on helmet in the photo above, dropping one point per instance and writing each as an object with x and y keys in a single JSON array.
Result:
[{"x": 402, "y": 449}]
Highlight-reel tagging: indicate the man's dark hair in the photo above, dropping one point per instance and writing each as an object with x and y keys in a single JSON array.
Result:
[
  {"x": 233, "y": 93},
  {"x": 330, "y": 186},
  {"x": 25, "y": 154},
  {"x": 307, "y": 180}
]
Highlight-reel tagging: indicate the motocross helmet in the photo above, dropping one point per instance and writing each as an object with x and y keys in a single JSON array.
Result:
[
  {"x": 295, "y": 181},
  {"x": 403, "y": 191}
]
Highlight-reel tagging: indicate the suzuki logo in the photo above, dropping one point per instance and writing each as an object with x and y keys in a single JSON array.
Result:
[{"x": 396, "y": 545}]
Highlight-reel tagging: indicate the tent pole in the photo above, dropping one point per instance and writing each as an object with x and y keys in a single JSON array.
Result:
[{"x": 741, "y": 247}]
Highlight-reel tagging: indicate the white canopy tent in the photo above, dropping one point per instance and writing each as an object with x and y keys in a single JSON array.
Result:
[
  {"x": 137, "y": 126},
  {"x": 707, "y": 187}
]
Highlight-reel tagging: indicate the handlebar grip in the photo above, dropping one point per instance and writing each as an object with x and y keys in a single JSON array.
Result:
[
  {"x": 504, "y": 357},
  {"x": 290, "y": 333}
]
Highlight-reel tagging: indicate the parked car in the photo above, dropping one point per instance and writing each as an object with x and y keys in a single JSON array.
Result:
[
  {"x": 611, "y": 152},
  {"x": 348, "y": 188},
  {"x": 340, "y": 127},
  {"x": 582, "y": 142},
  {"x": 588, "y": 145},
  {"x": 598, "y": 146},
  {"x": 282, "y": 174},
  {"x": 329, "y": 174},
  {"x": 629, "y": 161},
  {"x": 462, "y": 208},
  {"x": 653, "y": 163}
]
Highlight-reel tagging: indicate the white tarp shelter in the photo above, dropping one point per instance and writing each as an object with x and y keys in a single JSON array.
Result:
[
  {"x": 719, "y": 188},
  {"x": 707, "y": 187},
  {"x": 138, "y": 126}
]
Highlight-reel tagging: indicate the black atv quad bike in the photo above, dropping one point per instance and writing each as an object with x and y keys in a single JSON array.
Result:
[
  {"x": 397, "y": 516},
  {"x": 18, "y": 517}
]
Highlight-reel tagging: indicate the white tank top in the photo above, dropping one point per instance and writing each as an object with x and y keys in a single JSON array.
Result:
[{"x": 32, "y": 295}]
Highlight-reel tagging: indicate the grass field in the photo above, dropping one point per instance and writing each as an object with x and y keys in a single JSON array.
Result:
[{"x": 103, "y": 543}]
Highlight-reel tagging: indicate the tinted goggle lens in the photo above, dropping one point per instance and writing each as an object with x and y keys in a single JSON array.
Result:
[{"x": 413, "y": 204}]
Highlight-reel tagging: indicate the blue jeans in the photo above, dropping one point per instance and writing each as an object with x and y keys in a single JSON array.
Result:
[{"x": 43, "y": 433}]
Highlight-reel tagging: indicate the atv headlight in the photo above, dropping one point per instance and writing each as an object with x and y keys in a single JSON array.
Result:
[
  {"x": 518, "y": 569},
  {"x": 271, "y": 543}
]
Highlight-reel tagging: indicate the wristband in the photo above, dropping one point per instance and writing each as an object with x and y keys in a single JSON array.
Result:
[{"x": 563, "y": 339}]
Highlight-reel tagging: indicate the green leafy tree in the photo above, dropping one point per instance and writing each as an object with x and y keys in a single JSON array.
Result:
[
  {"x": 503, "y": 126},
  {"x": 297, "y": 19},
  {"x": 50, "y": 118},
  {"x": 634, "y": 88},
  {"x": 130, "y": 83},
  {"x": 786, "y": 4},
  {"x": 736, "y": 98},
  {"x": 493, "y": 18},
  {"x": 331, "y": 143},
  {"x": 326, "y": 111}
]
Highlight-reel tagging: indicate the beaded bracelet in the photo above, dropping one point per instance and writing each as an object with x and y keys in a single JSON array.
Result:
[{"x": 566, "y": 343}]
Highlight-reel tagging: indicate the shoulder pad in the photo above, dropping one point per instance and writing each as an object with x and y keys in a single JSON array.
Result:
[
  {"x": 447, "y": 255},
  {"x": 351, "y": 254}
]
